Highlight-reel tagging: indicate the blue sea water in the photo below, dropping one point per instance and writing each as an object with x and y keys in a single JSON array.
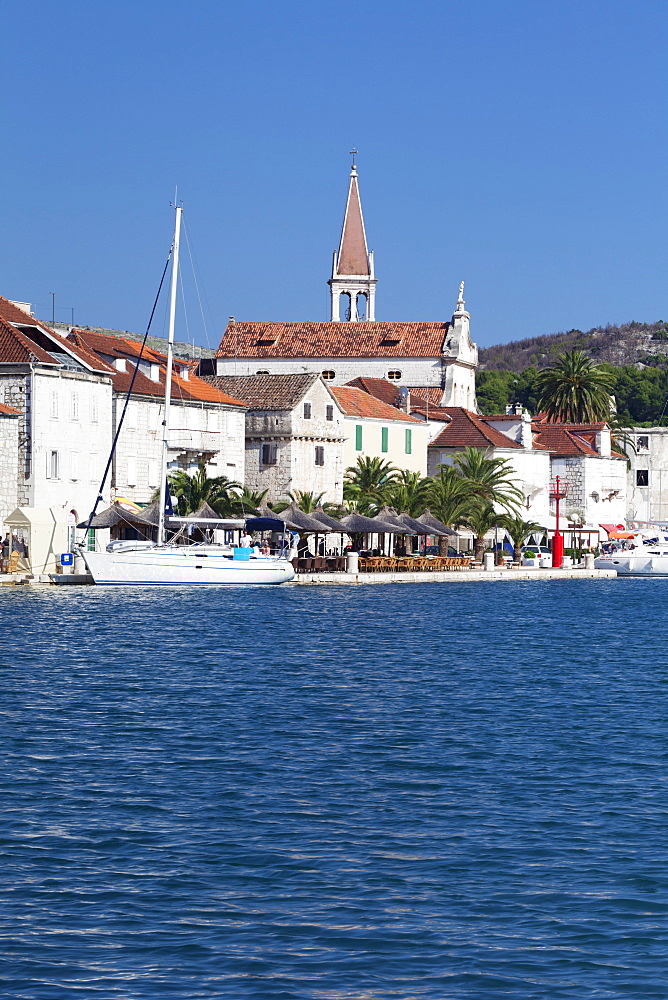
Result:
[{"x": 388, "y": 793}]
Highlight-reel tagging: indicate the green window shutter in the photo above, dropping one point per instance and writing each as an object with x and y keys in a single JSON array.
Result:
[
  {"x": 358, "y": 437},
  {"x": 409, "y": 440},
  {"x": 383, "y": 439}
]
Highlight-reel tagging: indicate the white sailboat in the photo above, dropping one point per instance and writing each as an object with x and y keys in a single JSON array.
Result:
[{"x": 141, "y": 563}]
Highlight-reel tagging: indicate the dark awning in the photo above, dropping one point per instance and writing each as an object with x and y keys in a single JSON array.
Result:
[{"x": 265, "y": 524}]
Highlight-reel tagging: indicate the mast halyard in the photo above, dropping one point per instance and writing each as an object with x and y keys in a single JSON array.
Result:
[{"x": 168, "y": 374}]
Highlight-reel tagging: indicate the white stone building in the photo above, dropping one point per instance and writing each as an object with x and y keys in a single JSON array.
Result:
[
  {"x": 206, "y": 425},
  {"x": 9, "y": 459},
  {"x": 647, "y": 474},
  {"x": 63, "y": 395},
  {"x": 375, "y": 429},
  {"x": 353, "y": 343},
  {"x": 294, "y": 434}
]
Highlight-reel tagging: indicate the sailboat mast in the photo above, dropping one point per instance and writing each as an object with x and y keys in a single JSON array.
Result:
[{"x": 168, "y": 374}]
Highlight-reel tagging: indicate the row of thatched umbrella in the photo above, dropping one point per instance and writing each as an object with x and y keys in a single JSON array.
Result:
[{"x": 387, "y": 521}]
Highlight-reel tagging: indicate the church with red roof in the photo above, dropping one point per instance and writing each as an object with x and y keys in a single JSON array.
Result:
[{"x": 428, "y": 354}]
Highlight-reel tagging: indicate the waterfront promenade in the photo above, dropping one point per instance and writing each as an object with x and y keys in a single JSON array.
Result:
[{"x": 463, "y": 576}]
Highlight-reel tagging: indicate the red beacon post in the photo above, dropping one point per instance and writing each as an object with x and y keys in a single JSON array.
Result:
[{"x": 558, "y": 491}]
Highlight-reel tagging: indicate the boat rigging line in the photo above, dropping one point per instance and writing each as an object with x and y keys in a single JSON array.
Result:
[{"x": 114, "y": 443}]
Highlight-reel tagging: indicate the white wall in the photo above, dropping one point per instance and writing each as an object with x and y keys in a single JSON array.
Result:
[
  {"x": 414, "y": 371},
  {"x": 208, "y": 430},
  {"x": 648, "y": 503},
  {"x": 372, "y": 440},
  {"x": 71, "y": 439}
]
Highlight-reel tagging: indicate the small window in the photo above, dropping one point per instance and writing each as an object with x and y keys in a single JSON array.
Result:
[
  {"x": 394, "y": 375},
  {"x": 90, "y": 540},
  {"x": 153, "y": 416},
  {"x": 358, "y": 437},
  {"x": 643, "y": 442},
  {"x": 329, "y": 412},
  {"x": 384, "y": 439},
  {"x": 642, "y": 477},
  {"x": 268, "y": 454},
  {"x": 52, "y": 465},
  {"x": 74, "y": 406},
  {"x": 54, "y": 404},
  {"x": 74, "y": 465},
  {"x": 132, "y": 470},
  {"x": 408, "y": 444},
  {"x": 319, "y": 455},
  {"x": 328, "y": 375},
  {"x": 307, "y": 411},
  {"x": 262, "y": 372},
  {"x": 132, "y": 415},
  {"x": 93, "y": 410},
  {"x": 153, "y": 476}
]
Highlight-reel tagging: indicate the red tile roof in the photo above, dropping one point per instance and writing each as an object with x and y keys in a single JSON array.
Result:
[
  {"x": 18, "y": 347},
  {"x": 8, "y": 410},
  {"x": 192, "y": 389},
  {"x": 267, "y": 392},
  {"x": 467, "y": 429},
  {"x": 328, "y": 340},
  {"x": 378, "y": 387},
  {"x": 563, "y": 439},
  {"x": 356, "y": 403}
]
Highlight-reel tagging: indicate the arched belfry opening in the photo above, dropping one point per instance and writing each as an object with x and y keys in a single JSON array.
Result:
[{"x": 352, "y": 267}]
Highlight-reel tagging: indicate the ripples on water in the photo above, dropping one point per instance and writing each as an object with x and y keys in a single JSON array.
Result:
[{"x": 341, "y": 793}]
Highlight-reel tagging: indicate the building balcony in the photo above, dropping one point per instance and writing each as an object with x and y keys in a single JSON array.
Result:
[{"x": 182, "y": 439}]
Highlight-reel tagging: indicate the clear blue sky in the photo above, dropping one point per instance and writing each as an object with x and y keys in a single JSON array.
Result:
[{"x": 520, "y": 146}]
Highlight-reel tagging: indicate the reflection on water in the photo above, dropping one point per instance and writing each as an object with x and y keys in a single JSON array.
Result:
[{"x": 384, "y": 792}]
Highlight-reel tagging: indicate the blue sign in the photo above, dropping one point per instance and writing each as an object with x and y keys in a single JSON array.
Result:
[{"x": 67, "y": 559}]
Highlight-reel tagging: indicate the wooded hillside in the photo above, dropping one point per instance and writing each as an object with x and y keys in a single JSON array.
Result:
[{"x": 618, "y": 345}]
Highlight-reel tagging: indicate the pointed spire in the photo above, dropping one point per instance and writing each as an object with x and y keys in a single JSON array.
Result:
[{"x": 353, "y": 256}]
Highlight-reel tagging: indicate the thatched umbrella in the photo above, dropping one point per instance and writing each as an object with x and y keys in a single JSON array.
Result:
[
  {"x": 359, "y": 524},
  {"x": 434, "y": 524},
  {"x": 327, "y": 520},
  {"x": 117, "y": 514}
]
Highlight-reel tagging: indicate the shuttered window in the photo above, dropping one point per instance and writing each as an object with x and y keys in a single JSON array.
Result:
[
  {"x": 384, "y": 436},
  {"x": 409, "y": 441},
  {"x": 268, "y": 454},
  {"x": 358, "y": 437},
  {"x": 319, "y": 455}
]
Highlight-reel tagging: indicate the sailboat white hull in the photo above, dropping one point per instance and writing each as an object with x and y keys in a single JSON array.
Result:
[{"x": 172, "y": 565}]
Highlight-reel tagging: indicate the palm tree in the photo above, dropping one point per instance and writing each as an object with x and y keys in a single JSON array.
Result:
[
  {"x": 193, "y": 490},
  {"x": 409, "y": 493},
  {"x": 575, "y": 390},
  {"x": 519, "y": 531},
  {"x": 480, "y": 519},
  {"x": 448, "y": 495},
  {"x": 367, "y": 484},
  {"x": 488, "y": 479},
  {"x": 247, "y": 501},
  {"x": 306, "y": 500}
]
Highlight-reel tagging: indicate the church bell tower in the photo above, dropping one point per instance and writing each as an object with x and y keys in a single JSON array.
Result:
[{"x": 353, "y": 282}]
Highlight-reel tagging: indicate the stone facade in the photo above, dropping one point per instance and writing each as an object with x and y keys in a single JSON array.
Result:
[
  {"x": 308, "y": 449},
  {"x": 647, "y": 477},
  {"x": 63, "y": 436},
  {"x": 208, "y": 433},
  {"x": 596, "y": 488},
  {"x": 9, "y": 457}
]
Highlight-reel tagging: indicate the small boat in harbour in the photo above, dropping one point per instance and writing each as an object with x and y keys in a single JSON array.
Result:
[
  {"x": 142, "y": 563},
  {"x": 643, "y": 553}
]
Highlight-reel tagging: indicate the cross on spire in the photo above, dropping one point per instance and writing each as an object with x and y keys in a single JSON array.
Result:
[{"x": 353, "y": 153}]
